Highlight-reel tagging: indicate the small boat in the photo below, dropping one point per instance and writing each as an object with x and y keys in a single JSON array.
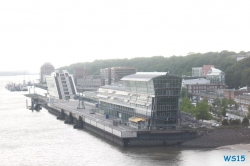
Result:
[
  {"x": 24, "y": 88},
  {"x": 29, "y": 84}
]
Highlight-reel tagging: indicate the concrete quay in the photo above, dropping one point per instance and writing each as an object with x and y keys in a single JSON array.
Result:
[
  {"x": 99, "y": 125},
  {"x": 121, "y": 134}
]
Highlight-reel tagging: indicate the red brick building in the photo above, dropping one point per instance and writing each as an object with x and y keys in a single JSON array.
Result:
[
  {"x": 232, "y": 93},
  {"x": 198, "y": 88}
]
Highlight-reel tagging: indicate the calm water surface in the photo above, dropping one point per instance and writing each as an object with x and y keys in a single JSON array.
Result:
[{"x": 37, "y": 138}]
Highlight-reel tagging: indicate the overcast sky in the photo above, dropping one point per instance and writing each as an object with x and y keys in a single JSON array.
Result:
[{"x": 63, "y": 32}]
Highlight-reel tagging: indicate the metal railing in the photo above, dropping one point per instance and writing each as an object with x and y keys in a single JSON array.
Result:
[{"x": 104, "y": 125}]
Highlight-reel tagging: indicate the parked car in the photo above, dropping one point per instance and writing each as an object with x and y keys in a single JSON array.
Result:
[{"x": 203, "y": 125}]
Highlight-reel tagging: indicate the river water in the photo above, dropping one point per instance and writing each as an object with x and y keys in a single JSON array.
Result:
[{"x": 37, "y": 138}]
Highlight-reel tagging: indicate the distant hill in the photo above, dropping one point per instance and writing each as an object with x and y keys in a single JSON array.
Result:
[{"x": 179, "y": 65}]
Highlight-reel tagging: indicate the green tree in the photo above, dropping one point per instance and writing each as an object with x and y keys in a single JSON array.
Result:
[
  {"x": 202, "y": 111},
  {"x": 245, "y": 121},
  {"x": 217, "y": 102},
  {"x": 224, "y": 106},
  {"x": 248, "y": 114},
  {"x": 184, "y": 92},
  {"x": 223, "y": 112},
  {"x": 235, "y": 122},
  {"x": 225, "y": 122},
  {"x": 187, "y": 106}
]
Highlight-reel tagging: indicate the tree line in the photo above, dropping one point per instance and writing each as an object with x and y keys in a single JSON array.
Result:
[{"x": 237, "y": 73}]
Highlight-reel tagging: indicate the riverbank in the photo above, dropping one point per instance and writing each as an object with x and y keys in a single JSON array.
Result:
[
  {"x": 236, "y": 147},
  {"x": 220, "y": 137}
]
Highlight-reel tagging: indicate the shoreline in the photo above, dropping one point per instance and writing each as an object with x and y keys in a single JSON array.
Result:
[
  {"x": 235, "y": 147},
  {"x": 228, "y": 138}
]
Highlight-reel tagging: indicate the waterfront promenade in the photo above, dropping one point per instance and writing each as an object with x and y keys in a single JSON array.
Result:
[
  {"x": 119, "y": 133},
  {"x": 96, "y": 119}
]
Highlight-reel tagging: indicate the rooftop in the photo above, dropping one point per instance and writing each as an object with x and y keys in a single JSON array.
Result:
[
  {"x": 143, "y": 76},
  {"x": 114, "y": 87},
  {"x": 47, "y": 64},
  {"x": 214, "y": 71}
]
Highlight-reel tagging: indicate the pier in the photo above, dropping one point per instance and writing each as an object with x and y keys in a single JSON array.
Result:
[{"x": 107, "y": 127}]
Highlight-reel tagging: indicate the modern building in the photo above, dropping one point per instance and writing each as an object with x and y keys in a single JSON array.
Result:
[
  {"x": 215, "y": 76},
  {"x": 205, "y": 69},
  {"x": 115, "y": 74},
  {"x": 45, "y": 70},
  {"x": 196, "y": 71},
  {"x": 61, "y": 85},
  {"x": 107, "y": 75},
  {"x": 91, "y": 81},
  {"x": 148, "y": 100}
]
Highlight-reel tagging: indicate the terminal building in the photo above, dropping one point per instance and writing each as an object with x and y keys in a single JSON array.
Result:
[
  {"x": 61, "y": 85},
  {"x": 149, "y": 100}
]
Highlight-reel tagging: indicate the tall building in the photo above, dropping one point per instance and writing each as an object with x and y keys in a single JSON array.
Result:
[
  {"x": 215, "y": 76},
  {"x": 61, "y": 85},
  {"x": 196, "y": 71},
  {"x": 80, "y": 72},
  {"x": 113, "y": 75},
  {"x": 45, "y": 70},
  {"x": 106, "y": 73},
  {"x": 148, "y": 100},
  {"x": 117, "y": 73},
  {"x": 79, "y": 75}
]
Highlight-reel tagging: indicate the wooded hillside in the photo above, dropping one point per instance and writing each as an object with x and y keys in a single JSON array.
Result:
[{"x": 237, "y": 73}]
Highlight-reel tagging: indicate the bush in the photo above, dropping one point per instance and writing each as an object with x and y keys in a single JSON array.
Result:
[
  {"x": 245, "y": 121},
  {"x": 224, "y": 122},
  {"x": 235, "y": 122}
]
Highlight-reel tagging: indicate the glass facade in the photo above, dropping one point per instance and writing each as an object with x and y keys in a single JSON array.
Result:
[
  {"x": 154, "y": 97},
  {"x": 216, "y": 76},
  {"x": 140, "y": 87},
  {"x": 217, "y": 79},
  {"x": 197, "y": 71}
]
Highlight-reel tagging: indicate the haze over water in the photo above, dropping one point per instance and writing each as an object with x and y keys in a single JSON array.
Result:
[{"x": 38, "y": 138}]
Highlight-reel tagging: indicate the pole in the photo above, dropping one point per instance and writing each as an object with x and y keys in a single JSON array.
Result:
[{"x": 26, "y": 103}]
